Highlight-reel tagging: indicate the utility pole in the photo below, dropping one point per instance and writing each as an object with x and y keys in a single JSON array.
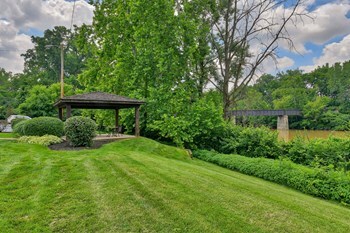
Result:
[
  {"x": 62, "y": 69},
  {"x": 61, "y": 46}
]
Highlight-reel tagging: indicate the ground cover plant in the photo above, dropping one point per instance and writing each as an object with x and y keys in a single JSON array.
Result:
[
  {"x": 138, "y": 185},
  {"x": 45, "y": 140}
]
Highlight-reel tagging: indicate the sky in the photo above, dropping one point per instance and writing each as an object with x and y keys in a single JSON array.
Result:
[{"x": 323, "y": 39}]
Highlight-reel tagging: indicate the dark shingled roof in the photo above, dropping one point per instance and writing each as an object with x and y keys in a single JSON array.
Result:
[{"x": 98, "y": 100}]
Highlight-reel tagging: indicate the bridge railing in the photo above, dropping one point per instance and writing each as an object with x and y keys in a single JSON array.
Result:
[{"x": 282, "y": 112}]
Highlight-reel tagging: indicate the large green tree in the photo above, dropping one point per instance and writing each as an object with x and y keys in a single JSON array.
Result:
[
  {"x": 154, "y": 50},
  {"x": 43, "y": 62},
  {"x": 6, "y": 96}
]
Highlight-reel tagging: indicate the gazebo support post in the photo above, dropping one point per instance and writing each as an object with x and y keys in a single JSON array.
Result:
[
  {"x": 116, "y": 119},
  {"x": 60, "y": 113},
  {"x": 69, "y": 111},
  {"x": 137, "y": 121}
]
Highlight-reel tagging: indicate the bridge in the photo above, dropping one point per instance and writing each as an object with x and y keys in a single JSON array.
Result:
[{"x": 282, "y": 115}]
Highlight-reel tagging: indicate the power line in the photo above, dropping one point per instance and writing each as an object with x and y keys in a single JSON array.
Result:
[
  {"x": 11, "y": 50},
  {"x": 71, "y": 22}
]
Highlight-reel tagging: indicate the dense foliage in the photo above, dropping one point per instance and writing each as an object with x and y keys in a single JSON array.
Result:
[
  {"x": 317, "y": 182},
  {"x": 321, "y": 95},
  {"x": 80, "y": 131},
  {"x": 331, "y": 152},
  {"x": 167, "y": 54},
  {"x": 252, "y": 142},
  {"x": 40, "y": 100},
  {"x": 40, "y": 126},
  {"x": 45, "y": 140}
]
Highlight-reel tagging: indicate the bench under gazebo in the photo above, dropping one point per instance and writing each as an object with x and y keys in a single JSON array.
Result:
[{"x": 100, "y": 100}]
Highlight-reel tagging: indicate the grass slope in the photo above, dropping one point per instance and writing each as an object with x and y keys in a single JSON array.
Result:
[{"x": 139, "y": 185}]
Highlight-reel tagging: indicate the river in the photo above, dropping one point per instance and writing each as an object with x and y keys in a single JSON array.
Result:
[{"x": 288, "y": 135}]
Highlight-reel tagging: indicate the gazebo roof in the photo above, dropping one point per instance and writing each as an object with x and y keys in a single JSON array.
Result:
[{"x": 98, "y": 100}]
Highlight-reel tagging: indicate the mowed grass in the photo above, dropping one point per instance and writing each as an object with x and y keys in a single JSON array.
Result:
[
  {"x": 7, "y": 135},
  {"x": 138, "y": 185}
]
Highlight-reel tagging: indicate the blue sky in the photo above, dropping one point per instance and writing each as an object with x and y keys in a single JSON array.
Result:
[{"x": 325, "y": 39}]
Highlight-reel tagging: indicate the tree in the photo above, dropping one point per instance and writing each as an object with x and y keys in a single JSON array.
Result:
[
  {"x": 149, "y": 50},
  {"x": 6, "y": 96},
  {"x": 43, "y": 62},
  {"x": 40, "y": 100},
  {"x": 244, "y": 33}
]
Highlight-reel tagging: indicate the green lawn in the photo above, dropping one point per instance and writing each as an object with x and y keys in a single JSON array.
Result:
[
  {"x": 138, "y": 185},
  {"x": 7, "y": 135}
]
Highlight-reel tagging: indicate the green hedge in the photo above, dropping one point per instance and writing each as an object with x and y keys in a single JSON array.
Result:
[
  {"x": 80, "y": 131},
  {"x": 40, "y": 126},
  {"x": 329, "y": 185}
]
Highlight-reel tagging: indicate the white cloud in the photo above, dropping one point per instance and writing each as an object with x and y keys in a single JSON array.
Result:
[
  {"x": 18, "y": 17},
  {"x": 284, "y": 62},
  {"x": 328, "y": 21},
  {"x": 12, "y": 44},
  {"x": 334, "y": 52}
]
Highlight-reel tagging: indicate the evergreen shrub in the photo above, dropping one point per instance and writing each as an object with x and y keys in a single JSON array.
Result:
[
  {"x": 331, "y": 185},
  {"x": 80, "y": 131},
  {"x": 41, "y": 126},
  {"x": 15, "y": 121},
  {"x": 19, "y": 128}
]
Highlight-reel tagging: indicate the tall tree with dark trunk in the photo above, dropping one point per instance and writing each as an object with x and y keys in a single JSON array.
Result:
[{"x": 244, "y": 33}]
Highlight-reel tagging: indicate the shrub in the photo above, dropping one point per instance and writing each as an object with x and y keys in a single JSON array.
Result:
[
  {"x": 15, "y": 121},
  {"x": 252, "y": 142},
  {"x": 41, "y": 126},
  {"x": 45, "y": 140},
  {"x": 80, "y": 131},
  {"x": 317, "y": 182},
  {"x": 19, "y": 128},
  {"x": 195, "y": 125},
  {"x": 320, "y": 152}
]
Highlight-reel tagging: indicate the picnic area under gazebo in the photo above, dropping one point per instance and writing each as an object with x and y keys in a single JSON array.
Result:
[{"x": 100, "y": 100}]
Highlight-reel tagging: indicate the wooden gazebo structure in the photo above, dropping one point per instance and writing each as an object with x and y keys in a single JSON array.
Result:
[{"x": 100, "y": 100}]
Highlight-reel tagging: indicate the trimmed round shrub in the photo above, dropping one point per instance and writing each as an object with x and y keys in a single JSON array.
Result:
[
  {"x": 80, "y": 131},
  {"x": 41, "y": 126},
  {"x": 15, "y": 121},
  {"x": 19, "y": 128}
]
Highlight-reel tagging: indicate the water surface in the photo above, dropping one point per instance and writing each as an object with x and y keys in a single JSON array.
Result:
[{"x": 288, "y": 135}]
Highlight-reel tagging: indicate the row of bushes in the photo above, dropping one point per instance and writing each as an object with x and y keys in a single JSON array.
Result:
[
  {"x": 79, "y": 130},
  {"x": 262, "y": 142},
  {"x": 329, "y": 185}
]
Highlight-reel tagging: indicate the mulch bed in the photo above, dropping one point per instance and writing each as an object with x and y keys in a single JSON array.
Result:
[{"x": 97, "y": 144}]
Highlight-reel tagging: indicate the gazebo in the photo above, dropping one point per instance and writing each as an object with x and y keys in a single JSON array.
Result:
[{"x": 100, "y": 100}]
